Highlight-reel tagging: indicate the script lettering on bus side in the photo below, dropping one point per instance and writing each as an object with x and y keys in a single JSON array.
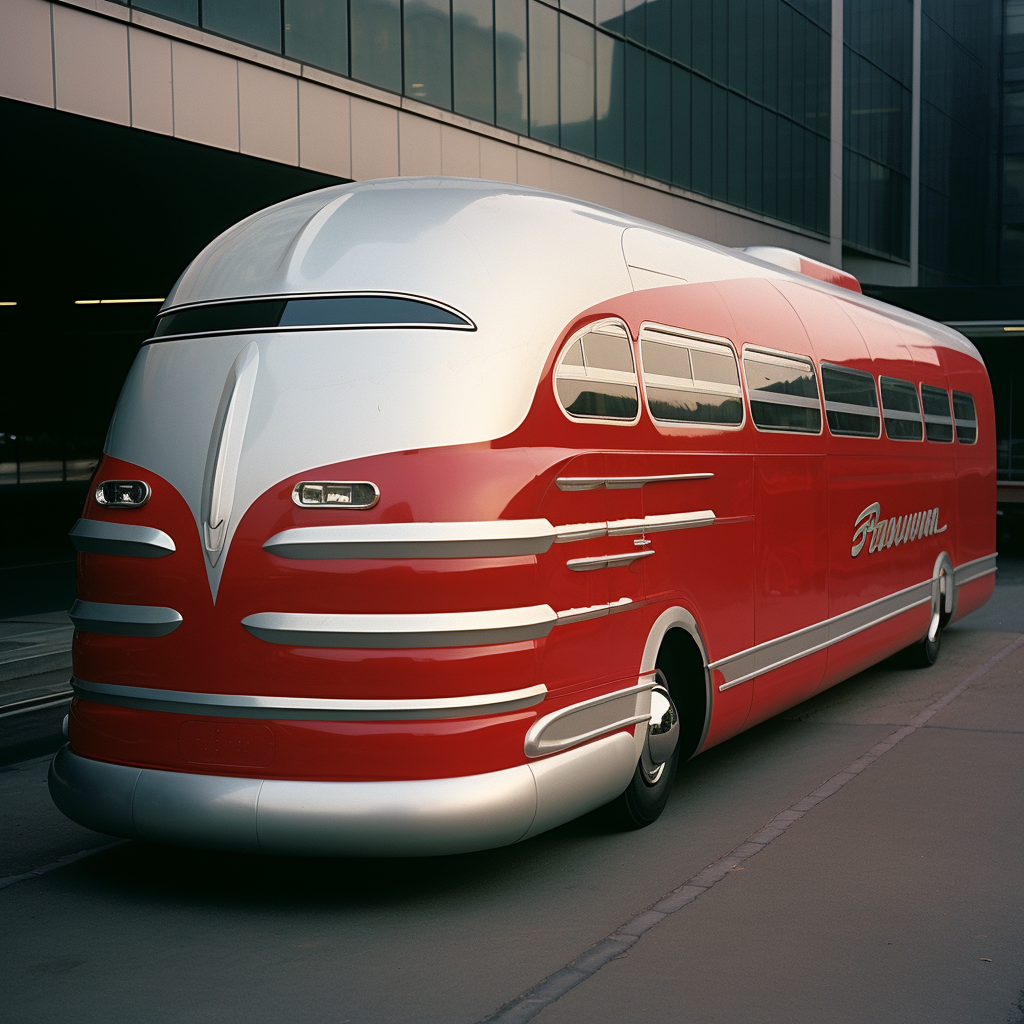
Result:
[{"x": 880, "y": 533}]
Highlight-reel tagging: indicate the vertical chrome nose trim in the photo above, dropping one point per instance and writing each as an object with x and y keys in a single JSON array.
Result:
[{"x": 226, "y": 450}]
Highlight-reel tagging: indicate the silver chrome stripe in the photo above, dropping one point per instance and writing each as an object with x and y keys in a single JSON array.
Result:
[
  {"x": 429, "y": 629},
  {"x": 975, "y": 569},
  {"x": 801, "y": 643},
  {"x": 503, "y": 537},
  {"x": 593, "y": 718},
  {"x": 307, "y": 708},
  {"x": 605, "y": 561},
  {"x": 124, "y": 619},
  {"x": 103, "y": 538},
  {"x": 439, "y": 629},
  {"x": 617, "y": 483},
  {"x": 415, "y": 540},
  {"x": 629, "y": 527},
  {"x": 778, "y": 398},
  {"x": 852, "y": 408}
]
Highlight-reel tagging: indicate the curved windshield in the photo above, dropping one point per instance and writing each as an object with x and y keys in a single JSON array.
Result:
[{"x": 308, "y": 313}]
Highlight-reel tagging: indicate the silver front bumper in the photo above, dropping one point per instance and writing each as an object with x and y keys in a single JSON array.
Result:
[{"x": 357, "y": 819}]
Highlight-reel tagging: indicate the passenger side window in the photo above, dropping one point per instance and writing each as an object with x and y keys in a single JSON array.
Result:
[
  {"x": 938, "y": 423},
  {"x": 851, "y": 405},
  {"x": 783, "y": 392},
  {"x": 690, "y": 380},
  {"x": 596, "y": 378},
  {"x": 965, "y": 418},
  {"x": 901, "y": 409}
]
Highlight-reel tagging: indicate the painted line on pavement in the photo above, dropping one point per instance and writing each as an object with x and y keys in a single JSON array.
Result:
[
  {"x": 61, "y": 862},
  {"x": 526, "y": 1006}
]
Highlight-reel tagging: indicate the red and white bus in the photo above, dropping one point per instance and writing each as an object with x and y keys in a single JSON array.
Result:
[{"x": 438, "y": 512}]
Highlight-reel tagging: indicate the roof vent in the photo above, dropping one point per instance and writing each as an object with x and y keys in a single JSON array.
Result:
[{"x": 789, "y": 260}]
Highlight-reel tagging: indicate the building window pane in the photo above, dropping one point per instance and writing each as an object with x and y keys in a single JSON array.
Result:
[
  {"x": 635, "y": 59},
  {"x": 680, "y": 127},
  {"x": 473, "y": 58},
  {"x": 581, "y": 8},
  {"x": 719, "y": 142},
  {"x": 377, "y": 43},
  {"x": 316, "y": 32},
  {"x": 510, "y": 74},
  {"x": 610, "y": 132},
  {"x": 659, "y": 118},
  {"x": 543, "y": 73},
  {"x": 179, "y": 10},
  {"x": 700, "y": 136},
  {"x": 636, "y": 18},
  {"x": 659, "y": 26},
  {"x": 251, "y": 21},
  {"x": 681, "y": 31},
  {"x": 428, "y": 58},
  {"x": 610, "y": 14},
  {"x": 577, "y": 74}
]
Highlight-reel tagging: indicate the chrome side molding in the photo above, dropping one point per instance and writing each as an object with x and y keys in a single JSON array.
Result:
[
  {"x": 124, "y": 619},
  {"x": 437, "y": 629},
  {"x": 975, "y": 569},
  {"x": 488, "y": 539},
  {"x": 772, "y": 654},
  {"x": 218, "y": 705},
  {"x": 103, "y": 538},
  {"x": 427, "y": 629},
  {"x": 605, "y": 561},
  {"x": 415, "y": 540},
  {"x": 580, "y": 723},
  {"x": 617, "y": 483}
]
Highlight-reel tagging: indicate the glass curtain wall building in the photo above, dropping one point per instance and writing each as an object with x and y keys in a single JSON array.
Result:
[
  {"x": 725, "y": 98},
  {"x": 959, "y": 139},
  {"x": 877, "y": 84}
]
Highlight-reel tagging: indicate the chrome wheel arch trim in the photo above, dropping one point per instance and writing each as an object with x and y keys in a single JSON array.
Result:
[
  {"x": 226, "y": 705},
  {"x": 678, "y": 617},
  {"x": 123, "y": 619},
  {"x": 99, "y": 536},
  {"x": 534, "y": 744},
  {"x": 405, "y": 818}
]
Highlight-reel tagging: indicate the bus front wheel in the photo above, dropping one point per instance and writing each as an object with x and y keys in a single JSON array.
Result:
[{"x": 648, "y": 791}]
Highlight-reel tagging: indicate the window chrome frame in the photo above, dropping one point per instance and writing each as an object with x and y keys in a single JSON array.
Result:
[
  {"x": 469, "y": 324},
  {"x": 683, "y": 335},
  {"x": 576, "y": 336},
  {"x": 796, "y": 356},
  {"x": 852, "y": 410}
]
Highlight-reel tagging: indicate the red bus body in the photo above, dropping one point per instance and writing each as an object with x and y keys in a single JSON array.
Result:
[{"x": 300, "y": 704}]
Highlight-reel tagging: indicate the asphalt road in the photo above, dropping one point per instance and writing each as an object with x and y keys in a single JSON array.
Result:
[{"x": 893, "y": 892}]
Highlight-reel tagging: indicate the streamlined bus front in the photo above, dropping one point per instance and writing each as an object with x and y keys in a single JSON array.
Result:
[{"x": 308, "y": 609}]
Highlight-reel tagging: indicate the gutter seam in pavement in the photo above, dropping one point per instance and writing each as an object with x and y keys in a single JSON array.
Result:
[{"x": 528, "y": 1005}]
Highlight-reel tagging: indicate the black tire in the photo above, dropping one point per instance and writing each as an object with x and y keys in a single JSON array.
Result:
[
  {"x": 924, "y": 653},
  {"x": 642, "y": 802}
]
